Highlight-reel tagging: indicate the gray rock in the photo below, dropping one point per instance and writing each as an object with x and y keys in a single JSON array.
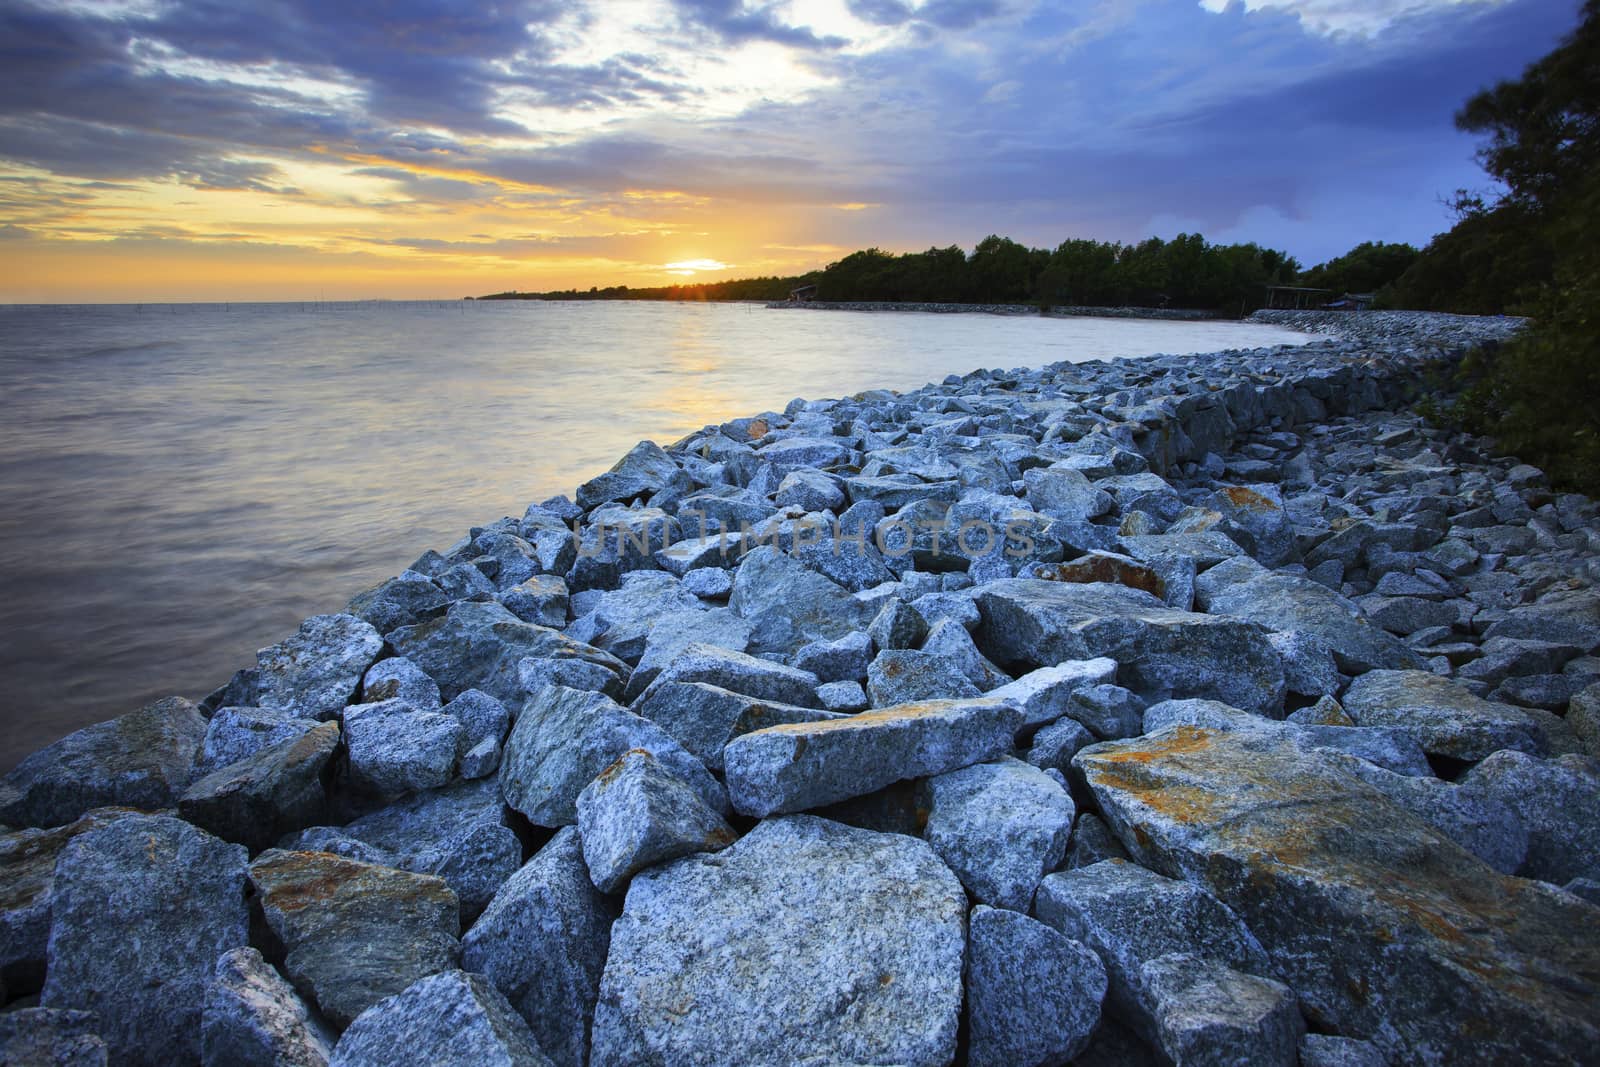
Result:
[
  {"x": 46, "y": 1037},
  {"x": 261, "y": 798},
  {"x": 397, "y": 678},
  {"x": 1563, "y": 619},
  {"x": 143, "y": 905},
  {"x": 1325, "y": 712},
  {"x": 1326, "y": 1050},
  {"x": 315, "y": 672},
  {"x": 704, "y": 718},
  {"x": 543, "y": 942},
  {"x": 844, "y": 659},
  {"x": 727, "y": 669},
  {"x": 635, "y": 814},
  {"x": 1092, "y": 842},
  {"x": 1285, "y": 603},
  {"x": 1446, "y": 719},
  {"x": 1585, "y": 889},
  {"x": 535, "y": 674},
  {"x": 484, "y": 721},
  {"x": 806, "y": 765},
  {"x": 1308, "y": 664},
  {"x": 1064, "y": 493},
  {"x": 675, "y": 634},
  {"x": 708, "y": 583},
  {"x": 1254, "y": 516},
  {"x": 234, "y": 734},
  {"x": 790, "y": 604},
  {"x": 1279, "y": 834},
  {"x": 646, "y": 469},
  {"x": 1386, "y": 747},
  {"x": 450, "y": 1019},
  {"x": 1480, "y": 824},
  {"x": 811, "y": 490},
  {"x": 1130, "y": 916},
  {"x": 1162, "y": 652},
  {"x": 908, "y": 676},
  {"x": 1033, "y": 996},
  {"x": 1109, "y": 711},
  {"x": 955, "y": 606},
  {"x": 478, "y": 645},
  {"x": 1583, "y": 715},
  {"x": 1045, "y": 695},
  {"x": 1000, "y": 826},
  {"x": 1054, "y": 746},
  {"x": 841, "y": 697},
  {"x": 1407, "y": 615},
  {"x": 27, "y": 893},
  {"x": 1557, "y": 801},
  {"x": 950, "y": 641},
  {"x": 746, "y": 956},
  {"x": 399, "y": 602},
  {"x": 564, "y": 738},
  {"x": 897, "y": 626},
  {"x": 395, "y": 748},
  {"x": 1210, "y": 1015},
  {"x": 355, "y": 932},
  {"x": 253, "y": 1018},
  {"x": 144, "y": 759}
]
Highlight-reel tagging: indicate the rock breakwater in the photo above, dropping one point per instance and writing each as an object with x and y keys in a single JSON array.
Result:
[{"x": 1201, "y": 709}]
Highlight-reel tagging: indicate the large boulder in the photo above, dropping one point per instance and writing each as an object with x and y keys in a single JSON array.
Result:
[
  {"x": 1412, "y": 942},
  {"x": 792, "y": 605},
  {"x": 1444, "y": 717},
  {"x": 704, "y": 718},
  {"x": 1033, "y": 996},
  {"x": 479, "y": 644},
  {"x": 253, "y": 1018},
  {"x": 236, "y": 733},
  {"x": 315, "y": 672},
  {"x": 807, "y": 765},
  {"x": 1557, "y": 803},
  {"x": 48, "y": 1037},
  {"x": 735, "y": 671},
  {"x": 806, "y": 936},
  {"x": 1162, "y": 652},
  {"x": 144, "y": 905},
  {"x": 355, "y": 932},
  {"x": 543, "y": 942},
  {"x": 645, "y": 470},
  {"x": 144, "y": 759},
  {"x": 565, "y": 737},
  {"x": 1571, "y": 618},
  {"x": 635, "y": 814},
  {"x": 1045, "y": 695},
  {"x": 261, "y": 798},
  {"x": 451, "y": 1019},
  {"x": 1209, "y": 1013},
  {"x": 396, "y": 748}
]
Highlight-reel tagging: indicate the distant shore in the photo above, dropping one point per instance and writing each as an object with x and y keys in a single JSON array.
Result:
[{"x": 1168, "y": 314}]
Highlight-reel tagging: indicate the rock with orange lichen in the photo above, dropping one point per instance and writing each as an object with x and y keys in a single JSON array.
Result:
[
  {"x": 1162, "y": 652},
  {"x": 806, "y": 765},
  {"x": 355, "y": 932},
  {"x": 1446, "y": 718},
  {"x": 636, "y": 814},
  {"x": 1254, "y": 516},
  {"x": 266, "y": 795},
  {"x": 806, "y": 941},
  {"x": 1386, "y": 929}
]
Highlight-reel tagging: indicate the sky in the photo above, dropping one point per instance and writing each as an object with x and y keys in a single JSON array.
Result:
[{"x": 299, "y": 149}]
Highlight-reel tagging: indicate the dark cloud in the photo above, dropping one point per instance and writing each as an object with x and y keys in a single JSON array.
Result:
[{"x": 734, "y": 20}]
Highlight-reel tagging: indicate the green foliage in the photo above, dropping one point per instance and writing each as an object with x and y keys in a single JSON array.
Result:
[{"x": 1366, "y": 268}]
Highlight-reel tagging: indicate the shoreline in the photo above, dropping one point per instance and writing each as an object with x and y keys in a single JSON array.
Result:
[
  {"x": 1064, "y": 312},
  {"x": 1266, "y": 639}
]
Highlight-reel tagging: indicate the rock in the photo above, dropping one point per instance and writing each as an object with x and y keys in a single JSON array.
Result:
[
  {"x": 1055, "y": 745},
  {"x": 1406, "y": 615},
  {"x": 458, "y": 833},
  {"x": 1562, "y": 619},
  {"x": 811, "y": 490},
  {"x": 315, "y": 672},
  {"x": 844, "y": 659},
  {"x": 27, "y": 892},
  {"x": 253, "y": 1018},
  {"x": 1254, "y": 516},
  {"x": 1162, "y": 652},
  {"x": 645, "y": 470},
  {"x": 1484, "y": 827},
  {"x": 1109, "y": 711},
  {"x": 1386, "y": 747},
  {"x": 635, "y": 814},
  {"x": 1285, "y": 602},
  {"x": 564, "y": 738},
  {"x": 1557, "y": 803},
  {"x": 397, "y": 678},
  {"x": 806, "y": 765},
  {"x": 401, "y": 601},
  {"x": 235, "y": 733},
  {"x": 957, "y": 607},
  {"x": 727, "y": 669},
  {"x": 484, "y": 721},
  {"x": 1108, "y": 567},
  {"x": 355, "y": 932},
  {"x": 144, "y": 759},
  {"x": 1000, "y": 826},
  {"x": 395, "y": 748},
  {"x": 704, "y": 718},
  {"x": 451, "y": 1019},
  {"x": 1092, "y": 842},
  {"x": 259, "y": 799},
  {"x": 143, "y": 905},
  {"x": 951, "y": 642},
  {"x": 1045, "y": 695},
  {"x": 708, "y": 583},
  {"x": 1033, "y": 996},
  {"x": 1130, "y": 916},
  {"x": 1308, "y": 664},
  {"x": 1326, "y": 1050},
  {"x": 45, "y": 1037},
  {"x": 790, "y": 604},
  {"x": 907, "y": 676},
  {"x": 1446, "y": 719},
  {"x": 541, "y": 600},
  {"x": 1325, "y": 712},
  {"x": 841, "y": 697},
  {"x": 897, "y": 626},
  {"x": 805, "y": 934},
  {"x": 1209, "y": 1013},
  {"x": 479, "y": 645},
  {"x": 1406, "y": 920},
  {"x": 1585, "y": 889},
  {"x": 1063, "y": 493},
  {"x": 1583, "y": 715},
  {"x": 543, "y": 942}
]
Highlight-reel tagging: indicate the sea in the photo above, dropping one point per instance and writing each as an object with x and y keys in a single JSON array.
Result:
[{"x": 181, "y": 484}]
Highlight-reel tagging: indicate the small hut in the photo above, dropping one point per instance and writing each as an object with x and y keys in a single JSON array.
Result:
[{"x": 803, "y": 294}]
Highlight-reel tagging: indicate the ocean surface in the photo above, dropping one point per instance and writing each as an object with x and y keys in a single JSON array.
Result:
[{"x": 182, "y": 484}]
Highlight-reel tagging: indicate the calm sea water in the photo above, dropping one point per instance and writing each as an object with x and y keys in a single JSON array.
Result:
[{"x": 181, "y": 484}]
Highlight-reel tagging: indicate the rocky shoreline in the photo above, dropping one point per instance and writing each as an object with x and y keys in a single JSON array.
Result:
[
  {"x": 1062, "y": 312},
  {"x": 1204, "y": 709}
]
